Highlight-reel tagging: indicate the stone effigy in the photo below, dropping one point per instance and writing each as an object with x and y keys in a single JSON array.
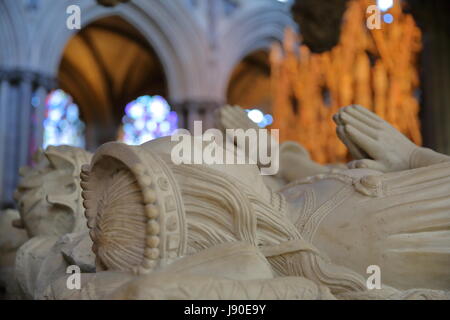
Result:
[
  {"x": 48, "y": 195},
  {"x": 50, "y": 207},
  {"x": 11, "y": 238},
  {"x": 160, "y": 230}
]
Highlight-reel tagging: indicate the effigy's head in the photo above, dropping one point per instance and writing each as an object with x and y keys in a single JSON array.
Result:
[
  {"x": 49, "y": 194},
  {"x": 134, "y": 209},
  {"x": 144, "y": 211}
]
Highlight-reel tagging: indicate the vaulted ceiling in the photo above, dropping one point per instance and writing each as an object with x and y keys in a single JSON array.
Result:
[{"x": 106, "y": 65}]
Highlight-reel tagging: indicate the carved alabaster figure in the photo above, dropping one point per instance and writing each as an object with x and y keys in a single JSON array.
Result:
[
  {"x": 161, "y": 230},
  {"x": 145, "y": 212},
  {"x": 48, "y": 194},
  {"x": 49, "y": 200},
  {"x": 397, "y": 220}
]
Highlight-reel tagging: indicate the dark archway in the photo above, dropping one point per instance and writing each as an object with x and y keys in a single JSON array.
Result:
[
  {"x": 104, "y": 66},
  {"x": 249, "y": 85}
]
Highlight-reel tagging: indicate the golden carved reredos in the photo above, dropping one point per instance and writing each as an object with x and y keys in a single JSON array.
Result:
[{"x": 374, "y": 68}]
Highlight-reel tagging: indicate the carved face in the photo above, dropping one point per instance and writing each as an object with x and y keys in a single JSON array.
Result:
[
  {"x": 49, "y": 194},
  {"x": 42, "y": 216}
]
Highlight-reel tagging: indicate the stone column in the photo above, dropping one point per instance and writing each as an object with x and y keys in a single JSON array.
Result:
[
  {"x": 181, "y": 114},
  {"x": 192, "y": 110},
  {"x": 40, "y": 93},
  {"x": 24, "y": 108},
  {"x": 10, "y": 133},
  {"x": 209, "y": 115},
  {"x": 193, "y": 114},
  {"x": 17, "y": 130},
  {"x": 4, "y": 90}
]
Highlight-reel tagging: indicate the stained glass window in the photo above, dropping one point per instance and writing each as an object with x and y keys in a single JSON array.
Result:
[
  {"x": 62, "y": 124},
  {"x": 147, "y": 118},
  {"x": 258, "y": 117},
  {"x": 385, "y": 5}
]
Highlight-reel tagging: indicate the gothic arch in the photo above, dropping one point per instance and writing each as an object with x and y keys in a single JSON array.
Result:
[
  {"x": 12, "y": 37},
  {"x": 179, "y": 40},
  {"x": 251, "y": 30},
  {"x": 249, "y": 84},
  {"x": 173, "y": 35}
]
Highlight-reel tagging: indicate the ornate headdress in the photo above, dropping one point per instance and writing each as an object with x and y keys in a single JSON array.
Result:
[{"x": 134, "y": 209}]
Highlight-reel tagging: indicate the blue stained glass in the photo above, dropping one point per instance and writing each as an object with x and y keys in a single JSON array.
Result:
[
  {"x": 145, "y": 100},
  {"x": 147, "y": 118},
  {"x": 258, "y": 117},
  {"x": 72, "y": 112},
  {"x": 268, "y": 119},
  {"x": 151, "y": 125},
  {"x": 55, "y": 114},
  {"x": 135, "y": 110},
  {"x": 56, "y": 98},
  {"x": 140, "y": 124},
  {"x": 35, "y": 101},
  {"x": 388, "y": 18},
  {"x": 165, "y": 126},
  {"x": 62, "y": 125}
]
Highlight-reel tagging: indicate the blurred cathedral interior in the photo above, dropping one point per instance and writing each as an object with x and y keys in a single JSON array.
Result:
[{"x": 136, "y": 70}]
